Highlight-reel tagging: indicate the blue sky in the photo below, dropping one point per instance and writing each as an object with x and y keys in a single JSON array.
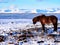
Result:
[{"x": 30, "y": 4}]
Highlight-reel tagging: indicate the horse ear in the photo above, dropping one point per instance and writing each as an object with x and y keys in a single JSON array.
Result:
[{"x": 42, "y": 14}]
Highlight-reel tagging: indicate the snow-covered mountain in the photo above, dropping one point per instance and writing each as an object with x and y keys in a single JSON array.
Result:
[
  {"x": 18, "y": 11},
  {"x": 47, "y": 10}
]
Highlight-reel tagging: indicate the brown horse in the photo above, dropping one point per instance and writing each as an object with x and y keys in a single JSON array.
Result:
[{"x": 46, "y": 20}]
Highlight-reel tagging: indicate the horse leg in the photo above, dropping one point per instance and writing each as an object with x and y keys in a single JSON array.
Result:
[
  {"x": 43, "y": 27},
  {"x": 55, "y": 27}
]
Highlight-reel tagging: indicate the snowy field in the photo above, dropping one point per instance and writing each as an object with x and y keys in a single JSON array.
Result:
[
  {"x": 17, "y": 26},
  {"x": 5, "y": 24}
]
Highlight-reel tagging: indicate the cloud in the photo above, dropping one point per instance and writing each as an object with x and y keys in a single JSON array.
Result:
[
  {"x": 31, "y": 11},
  {"x": 58, "y": 11},
  {"x": 18, "y": 10},
  {"x": 14, "y": 9},
  {"x": 41, "y": 10},
  {"x": 53, "y": 10},
  {"x": 7, "y": 10},
  {"x": 10, "y": 9},
  {"x": 12, "y": 6},
  {"x": 28, "y": 11},
  {"x": 6, "y": 1},
  {"x": 49, "y": 9}
]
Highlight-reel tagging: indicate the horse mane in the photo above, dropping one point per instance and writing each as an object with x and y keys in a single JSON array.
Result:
[{"x": 42, "y": 15}]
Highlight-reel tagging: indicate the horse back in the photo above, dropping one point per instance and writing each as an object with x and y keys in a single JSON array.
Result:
[
  {"x": 47, "y": 19},
  {"x": 52, "y": 19}
]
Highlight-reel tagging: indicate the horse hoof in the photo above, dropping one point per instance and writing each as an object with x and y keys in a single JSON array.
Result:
[{"x": 55, "y": 32}]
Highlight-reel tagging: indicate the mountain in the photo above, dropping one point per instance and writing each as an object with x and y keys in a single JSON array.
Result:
[
  {"x": 24, "y": 15},
  {"x": 47, "y": 10}
]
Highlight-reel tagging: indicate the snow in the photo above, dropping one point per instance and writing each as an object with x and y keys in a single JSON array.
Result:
[{"x": 23, "y": 24}]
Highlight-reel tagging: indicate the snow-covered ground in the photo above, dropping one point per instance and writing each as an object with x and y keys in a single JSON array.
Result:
[
  {"x": 15, "y": 24},
  {"x": 23, "y": 24}
]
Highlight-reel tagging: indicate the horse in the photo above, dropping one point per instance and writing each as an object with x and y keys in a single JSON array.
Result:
[{"x": 43, "y": 19}]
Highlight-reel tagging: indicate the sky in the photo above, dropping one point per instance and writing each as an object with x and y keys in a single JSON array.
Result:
[{"x": 29, "y": 4}]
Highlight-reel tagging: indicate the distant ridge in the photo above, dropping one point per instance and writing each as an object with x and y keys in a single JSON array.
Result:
[{"x": 24, "y": 15}]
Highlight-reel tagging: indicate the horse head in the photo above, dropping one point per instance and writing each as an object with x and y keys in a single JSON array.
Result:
[{"x": 35, "y": 20}]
